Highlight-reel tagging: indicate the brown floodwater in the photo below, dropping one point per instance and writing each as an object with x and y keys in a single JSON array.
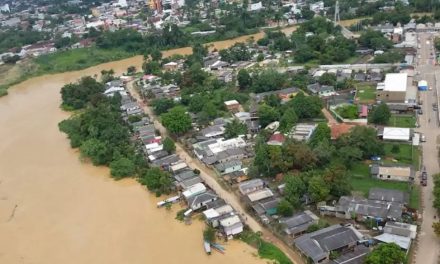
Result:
[{"x": 56, "y": 209}]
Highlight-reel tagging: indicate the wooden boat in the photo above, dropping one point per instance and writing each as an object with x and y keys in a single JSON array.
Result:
[
  {"x": 218, "y": 247},
  {"x": 207, "y": 247}
]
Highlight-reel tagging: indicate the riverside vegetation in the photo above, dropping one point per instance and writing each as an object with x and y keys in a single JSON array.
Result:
[{"x": 103, "y": 138}]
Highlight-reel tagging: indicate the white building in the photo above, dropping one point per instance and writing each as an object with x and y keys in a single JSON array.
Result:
[
  {"x": 232, "y": 225},
  {"x": 396, "y": 133}
]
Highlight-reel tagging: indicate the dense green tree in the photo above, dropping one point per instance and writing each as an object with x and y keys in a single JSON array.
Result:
[
  {"x": 391, "y": 56},
  {"x": 327, "y": 79},
  {"x": 365, "y": 139},
  {"x": 294, "y": 190},
  {"x": 209, "y": 234},
  {"x": 261, "y": 161},
  {"x": 156, "y": 180},
  {"x": 321, "y": 133},
  {"x": 162, "y": 105},
  {"x": 96, "y": 150},
  {"x": 336, "y": 178},
  {"x": 234, "y": 129},
  {"x": 151, "y": 67},
  {"x": 386, "y": 254},
  {"x": 349, "y": 155},
  {"x": 288, "y": 120},
  {"x": 176, "y": 120},
  {"x": 267, "y": 115},
  {"x": 156, "y": 55},
  {"x": 269, "y": 80},
  {"x": 131, "y": 70},
  {"x": 298, "y": 155},
  {"x": 276, "y": 160},
  {"x": 324, "y": 152},
  {"x": 284, "y": 208},
  {"x": 318, "y": 189},
  {"x": 169, "y": 145},
  {"x": 196, "y": 103},
  {"x": 380, "y": 114},
  {"x": 306, "y": 106},
  {"x": 374, "y": 40},
  {"x": 77, "y": 95},
  {"x": 122, "y": 167},
  {"x": 244, "y": 79}
]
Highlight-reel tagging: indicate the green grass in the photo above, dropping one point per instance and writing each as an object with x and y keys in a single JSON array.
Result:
[
  {"x": 270, "y": 251},
  {"x": 402, "y": 121},
  {"x": 365, "y": 94},
  {"x": 77, "y": 59},
  {"x": 266, "y": 250},
  {"x": 407, "y": 154},
  {"x": 361, "y": 181}
]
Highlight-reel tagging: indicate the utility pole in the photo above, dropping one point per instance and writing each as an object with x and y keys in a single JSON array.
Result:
[{"x": 337, "y": 18}]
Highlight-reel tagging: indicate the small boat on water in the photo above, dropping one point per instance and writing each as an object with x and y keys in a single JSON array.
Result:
[
  {"x": 173, "y": 199},
  {"x": 207, "y": 247},
  {"x": 218, "y": 247}
]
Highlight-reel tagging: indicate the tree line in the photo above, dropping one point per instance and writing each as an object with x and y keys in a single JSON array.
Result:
[{"x": 104, "y": 138}]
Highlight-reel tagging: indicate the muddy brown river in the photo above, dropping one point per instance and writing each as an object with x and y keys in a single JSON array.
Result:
[{"x": 56, "y": 209}]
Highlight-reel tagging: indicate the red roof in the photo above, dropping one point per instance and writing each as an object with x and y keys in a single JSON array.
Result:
[
  {"x": 340, "y": 129},
  {"x": 278, "y": 137},
  {"x": 364, "y": 111}
]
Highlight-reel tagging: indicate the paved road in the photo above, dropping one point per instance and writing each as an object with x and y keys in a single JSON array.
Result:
[
  {"x": 209, "y": 176},
  {"x": 428, "y": 248}
]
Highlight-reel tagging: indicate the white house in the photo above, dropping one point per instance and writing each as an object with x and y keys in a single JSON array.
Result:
[
  {"x": 194, "y": 190},
  {"x": 232, "y": 225},
  {"x": 396, "y": 133}
]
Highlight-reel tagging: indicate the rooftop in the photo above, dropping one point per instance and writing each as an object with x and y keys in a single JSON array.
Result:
[{"x": 396, "y": 82}]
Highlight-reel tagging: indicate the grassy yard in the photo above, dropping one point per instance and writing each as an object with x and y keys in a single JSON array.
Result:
[
  {"x": 266, "y": 250},
  {"x": 365, "y": 94},
  {"x": 77, "y": 59},
  {"x": 403, "y": 153},
  {"x": 361, "y": 181},
  {"x": 402, "y": 121}
]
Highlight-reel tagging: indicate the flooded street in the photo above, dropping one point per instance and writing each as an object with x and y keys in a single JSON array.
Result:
[{"x": 55, "y": 209}]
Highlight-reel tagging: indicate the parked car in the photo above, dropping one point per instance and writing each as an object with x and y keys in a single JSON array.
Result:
[
  {"x": 422, "y": 138},
  {"x": 420, "y": 112},
  {"x": 424, "y": 182},
  {"x": 424, "y": 176}
]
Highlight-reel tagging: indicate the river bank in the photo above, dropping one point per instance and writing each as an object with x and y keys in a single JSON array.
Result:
[
  {"x": 79, "y": 59},
  {"x": 55, "y": 209}
]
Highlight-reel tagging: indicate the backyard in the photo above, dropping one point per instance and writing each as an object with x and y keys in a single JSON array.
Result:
[
  {"x": 361, "y": 181},
  {"x": 365, "y": 94},
  {"x": 401, "y": 153},
  {"x": 402, "y": 121}
]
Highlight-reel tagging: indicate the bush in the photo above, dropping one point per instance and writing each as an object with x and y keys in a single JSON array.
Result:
[{"x": 121, "y": 168}]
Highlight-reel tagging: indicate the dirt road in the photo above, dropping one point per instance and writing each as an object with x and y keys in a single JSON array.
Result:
[
  {"x": 428, "y": 246},
  {"x": 210, "y": 178}
]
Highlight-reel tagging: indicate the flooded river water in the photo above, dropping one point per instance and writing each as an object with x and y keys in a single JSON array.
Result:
[{"x": 55, "y": 209}]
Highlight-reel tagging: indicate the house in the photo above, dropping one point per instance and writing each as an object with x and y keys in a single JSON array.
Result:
[
  {"x": 349, "y": 207},
  {"x": 400, "y": 229},
  {"x": 186, "y": 184},
  {"x": 198, "y": 201},
  {"x": 171, "y": 66},
  {"x": 214, "y": 215},
  {"x": 318, "y": 245},
  {"x": 194, "y": 190},
  {"x": 298, "y": 223},
  {"x": 321, "y": 90},
  {"x": 229, "y": 155},
  {"x": 277, "y": 139},
  {"x": 213, "y": 131},
  {"x": 360, "y": 77},
  {"x": 267, "y": 206},
  {"x": 403, "y": 242},
  {"x": 251, "y": 186},
  {"x": 232, "y": 225},
  {"x": 388, "y": 195},
  {"x": 232, "y": 105},
  {"x": 302, "y": 131},
  {"x": 259, "y": 195},
  {"x": 355, "y": 256},
  {"x": 392, "y": 173},
  {"x": 396, "y": 134},
  {"x": 395, "y": 88},
  {"x": 363, "y": 111},
  {"x": 228, "y": 167},
  {"x": 179, "y": 166},
  {"x": 184, "y": 175},
  {"x": 236, "y": 177}
]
